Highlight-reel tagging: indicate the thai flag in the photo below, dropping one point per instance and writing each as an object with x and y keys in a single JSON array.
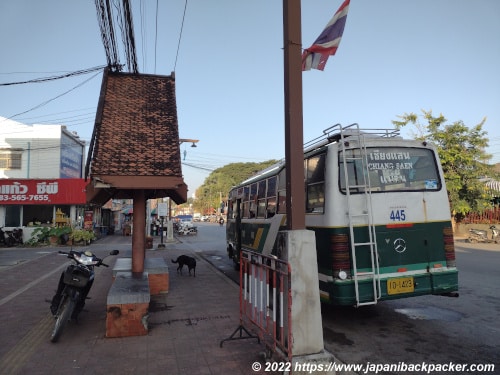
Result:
[{"x": 316, "y": 56}]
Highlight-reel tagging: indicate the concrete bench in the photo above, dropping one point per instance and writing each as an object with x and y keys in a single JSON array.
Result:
[
  {"x": 157, "y": 271},
  {"x": 127, "y": 305}
]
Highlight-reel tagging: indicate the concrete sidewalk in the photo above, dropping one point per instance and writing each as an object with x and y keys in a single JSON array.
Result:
[{"x": 185, "y": 327}]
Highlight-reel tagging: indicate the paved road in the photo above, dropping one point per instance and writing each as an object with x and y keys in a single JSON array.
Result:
[{"x": 430, "y": 329}]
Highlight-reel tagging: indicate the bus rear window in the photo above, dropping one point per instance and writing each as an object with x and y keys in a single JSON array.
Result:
[{"x": 390, "y": 169}]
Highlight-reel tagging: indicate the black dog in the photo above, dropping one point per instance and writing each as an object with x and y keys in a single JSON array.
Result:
[{"x": 190, "y": 262}]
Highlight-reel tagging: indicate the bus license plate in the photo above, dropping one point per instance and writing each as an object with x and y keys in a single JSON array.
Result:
[{"x": 400, "y": 285}]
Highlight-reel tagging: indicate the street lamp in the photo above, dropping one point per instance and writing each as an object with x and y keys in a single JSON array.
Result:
[{"x": 193, "y": 141}]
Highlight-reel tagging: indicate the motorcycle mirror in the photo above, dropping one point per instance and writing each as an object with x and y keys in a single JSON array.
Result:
[{"x": 114, "y": 252}]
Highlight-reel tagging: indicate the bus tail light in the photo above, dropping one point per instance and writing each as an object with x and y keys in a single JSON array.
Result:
[
  {"x": 449, "y": 247},
  {"x": 341, "y": 256}
]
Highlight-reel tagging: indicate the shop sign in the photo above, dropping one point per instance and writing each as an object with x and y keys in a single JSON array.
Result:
[
  {"x": 88, "y": 220},
  {"x": 39, "y": 191}
]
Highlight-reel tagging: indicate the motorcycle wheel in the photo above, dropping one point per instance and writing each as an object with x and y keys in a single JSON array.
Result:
[{"x": 63, "y": 315}]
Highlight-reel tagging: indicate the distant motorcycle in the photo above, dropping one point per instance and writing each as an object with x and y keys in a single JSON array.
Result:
[
  {"x": 185, "y": 230},
  {"x": 481, "y": 235}
]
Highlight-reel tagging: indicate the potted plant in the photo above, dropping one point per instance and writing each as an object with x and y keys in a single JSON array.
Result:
[
  {"x": 39, "y": 235},
  {"x": 82, "y": 236},
  {"x": 59, "y": 235}
]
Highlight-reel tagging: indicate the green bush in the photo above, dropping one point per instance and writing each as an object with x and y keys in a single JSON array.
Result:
[{"x": 84, "y": 235}]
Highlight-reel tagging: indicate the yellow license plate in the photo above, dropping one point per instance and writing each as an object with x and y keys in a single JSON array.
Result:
[{"x": 400, "y": 285}]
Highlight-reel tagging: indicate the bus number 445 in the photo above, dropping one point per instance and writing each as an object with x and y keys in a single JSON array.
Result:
[{"x": 398, "y": 215}]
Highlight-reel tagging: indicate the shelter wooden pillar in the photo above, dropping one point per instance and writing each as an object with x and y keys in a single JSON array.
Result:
[{"x": 139, "y": 232}]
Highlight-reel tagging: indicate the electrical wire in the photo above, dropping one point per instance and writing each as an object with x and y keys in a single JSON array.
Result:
[
  {"x": 105, "y": 20},
  {"x": 180, "y": 35},
  {"x": 53, "y": 78},
  {"x": 52, "y": 99},
  {"x": 143, "y": 11},
  {"x": 156, "y": 33}
]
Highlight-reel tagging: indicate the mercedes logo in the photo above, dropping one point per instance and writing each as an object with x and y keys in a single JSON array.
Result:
[{"x": 399, "y": 245}]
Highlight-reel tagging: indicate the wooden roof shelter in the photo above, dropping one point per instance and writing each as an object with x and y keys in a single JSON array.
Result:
[
  {"x": 134, "y": 152},
  {"x": 135, "y": 143}
]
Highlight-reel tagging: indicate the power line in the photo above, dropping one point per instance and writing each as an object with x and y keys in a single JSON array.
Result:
[
  {"x": 180, "y": 34},
  {"x": 129, "y": 39},
  {"x": 143, "y": 10},
  {"x": 156, "y": 32},
  {"x": 105, "y": 20},
  {"x": 50, "y": 100},
  {"x": 59, "y": 113},
  {"x": 53, "y": 78},
  {"x": 198, "y": 167}
]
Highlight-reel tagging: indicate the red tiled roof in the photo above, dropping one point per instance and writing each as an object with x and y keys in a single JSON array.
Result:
[{"x": 135, "y": 144}]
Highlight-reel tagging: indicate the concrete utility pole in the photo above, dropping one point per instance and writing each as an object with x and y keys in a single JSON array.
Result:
[
  {"x": 294, "y": 142},
  {"x": 300, "y": 244}
]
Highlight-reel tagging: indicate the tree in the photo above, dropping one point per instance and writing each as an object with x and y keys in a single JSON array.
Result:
[
  {"x": 217, "y": 185},
  {"x": 463, "y": 158}
]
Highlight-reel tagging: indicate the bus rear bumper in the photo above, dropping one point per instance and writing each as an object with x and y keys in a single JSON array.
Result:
[{"x": 341, "y": 292}]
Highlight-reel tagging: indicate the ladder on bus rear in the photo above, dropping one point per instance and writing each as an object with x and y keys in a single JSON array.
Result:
[{"x": 363, "y": 213}]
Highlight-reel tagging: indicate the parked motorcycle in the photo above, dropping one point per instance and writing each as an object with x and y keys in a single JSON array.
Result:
[
  {"x": 17, "y": 234},
  {"x": 481, "y": 235},
  {"x": 74, "y": 286},
  {"x": 8, "y": 238}
]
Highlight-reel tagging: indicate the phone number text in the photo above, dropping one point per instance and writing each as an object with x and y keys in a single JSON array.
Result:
[{"x": 23, "y": 198}]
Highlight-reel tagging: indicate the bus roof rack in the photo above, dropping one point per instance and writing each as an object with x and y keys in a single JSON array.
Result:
[{"x": 336, "y": 132}]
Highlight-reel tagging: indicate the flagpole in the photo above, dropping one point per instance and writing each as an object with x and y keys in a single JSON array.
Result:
[{"x": 293, "y": 115}]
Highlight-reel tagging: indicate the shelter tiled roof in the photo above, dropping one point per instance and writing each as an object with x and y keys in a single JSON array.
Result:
[{"x": 135, "y": 144}]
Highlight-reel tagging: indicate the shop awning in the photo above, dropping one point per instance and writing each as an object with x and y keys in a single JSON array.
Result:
[
  {"x": 493, "y": 185},
  {"x": 128, "y": 211}
]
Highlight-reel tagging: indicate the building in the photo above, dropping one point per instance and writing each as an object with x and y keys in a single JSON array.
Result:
[{"x": 41, "y": 173}]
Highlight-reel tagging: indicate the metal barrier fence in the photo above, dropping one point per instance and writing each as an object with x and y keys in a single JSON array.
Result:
[{"x": 265, "y": 302}]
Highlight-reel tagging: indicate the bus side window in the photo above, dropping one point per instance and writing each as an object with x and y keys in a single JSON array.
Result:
[
  {"x": 315, "y": 184},
  {"x": 261, "y": 203},
  {"x": 315, "y": 198},
  {"x": 271, "y": 207},
  {"x": 282, "y": 202},
  {"x": 271, "y": 187},
  {"x": 246, "y": 210},
  {"x": 282, "y": 192},
  {"x": 261, "y": 208}
]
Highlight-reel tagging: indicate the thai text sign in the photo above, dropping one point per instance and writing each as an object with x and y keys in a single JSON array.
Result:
[{"x": 40, "y": 191}]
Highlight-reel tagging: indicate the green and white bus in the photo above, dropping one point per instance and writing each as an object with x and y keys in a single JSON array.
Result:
[{"x": 378, "y": 206}]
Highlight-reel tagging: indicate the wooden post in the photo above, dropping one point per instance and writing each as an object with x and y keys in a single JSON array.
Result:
[{"x": 139, "y": 232}]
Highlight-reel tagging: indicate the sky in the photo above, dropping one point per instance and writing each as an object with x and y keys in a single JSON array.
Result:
[{"x": 395, "y": 57}]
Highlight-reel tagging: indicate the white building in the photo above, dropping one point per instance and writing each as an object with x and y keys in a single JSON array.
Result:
[{"x": 41, "y": 170}]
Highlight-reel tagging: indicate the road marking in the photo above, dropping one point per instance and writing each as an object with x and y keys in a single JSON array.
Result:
[
  {"x": 16, "y": 357},
  {"x": 29, "y": 285}
]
